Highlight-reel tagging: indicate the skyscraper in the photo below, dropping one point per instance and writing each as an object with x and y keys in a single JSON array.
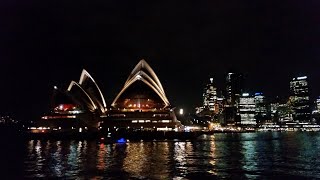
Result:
[
  {"x": 210, "y": 96},
  {"x": 261, "y": 107},
  {"x": 300, "y": 100},
  {"x": 247, "y": 109},
  {"x": 234, "y": 87}
]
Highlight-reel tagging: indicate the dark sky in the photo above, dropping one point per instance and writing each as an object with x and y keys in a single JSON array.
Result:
[{"x": 45, "y": 43}]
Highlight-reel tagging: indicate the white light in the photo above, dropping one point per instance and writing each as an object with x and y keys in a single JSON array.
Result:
[
  {"x": 80, "y": 129},
  {"x": 211, "y": 80},
  {"x": 303, "y": 77},
  {"x": 245, "y": 94},
  {"x": 181, "y": 111},
  {"x": 55, "y": 87},
  {"x": 165, "y": 121}
]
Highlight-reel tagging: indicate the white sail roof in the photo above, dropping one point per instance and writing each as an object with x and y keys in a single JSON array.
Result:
[{"x": 143, "y": 72}]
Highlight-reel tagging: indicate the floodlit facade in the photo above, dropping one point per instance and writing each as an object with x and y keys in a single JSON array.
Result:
[
  {"x": 300, "y": 100},
  {"x": 141, "y": 104}
]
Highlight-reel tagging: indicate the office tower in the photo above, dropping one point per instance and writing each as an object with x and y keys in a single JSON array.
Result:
[
  {"x": 210, "y": 96},
  {"x": 300, "y": 100},
  {"x": 234, "y": 87},
  {"x": 247, "y": 109},
  {"x": 261, "y": 107}
]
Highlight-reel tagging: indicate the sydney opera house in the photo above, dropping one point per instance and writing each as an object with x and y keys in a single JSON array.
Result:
[{"x": 141, "y": 105}]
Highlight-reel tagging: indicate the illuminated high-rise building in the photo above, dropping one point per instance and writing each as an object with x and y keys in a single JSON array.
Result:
[
  {"x": 261, "y": 107},
  {"x": 247, "y": 109},
  {"x": 210, "y": 96},
  {"x": 234, "y": 87},
  {"x": 300, "y": 100}
]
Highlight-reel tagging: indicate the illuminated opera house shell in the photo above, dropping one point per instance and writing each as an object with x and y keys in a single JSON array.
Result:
[
  {"x": 81, "y": 104},
  {"x": 142, "y": 102},
  {"x": 88, "y": 92}
]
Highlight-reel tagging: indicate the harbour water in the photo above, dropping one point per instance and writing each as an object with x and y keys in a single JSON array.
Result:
[{"x": 224, "y": 155}]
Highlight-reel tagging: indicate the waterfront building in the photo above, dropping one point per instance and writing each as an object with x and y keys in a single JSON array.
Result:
[
  {"x": 141, "y": 104},
  {"x": 300, "y": 100},
  {"x": 247, "y": 109}
]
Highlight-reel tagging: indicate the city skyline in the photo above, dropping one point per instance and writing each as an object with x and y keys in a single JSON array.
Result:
[{"x": 44, "y": 44}]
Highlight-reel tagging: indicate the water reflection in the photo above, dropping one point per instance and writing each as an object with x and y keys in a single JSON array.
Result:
[
  {"x": 213, "y": 156},
  {"x": 180, "y": 158},
  {"x": 73, "y": 159},
  {"x": 102, "y": 152},
  {"x": 57, "y": 163},
  {"x": 146, "y": 160},
  {"x": 249, "y": 153},
  {"x": 230, "y": 156}
]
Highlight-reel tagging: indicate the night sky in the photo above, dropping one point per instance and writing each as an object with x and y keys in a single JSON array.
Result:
[{"x": 45, "y": 43}]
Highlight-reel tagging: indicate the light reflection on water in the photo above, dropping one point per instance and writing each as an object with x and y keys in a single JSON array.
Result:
[{"x": 240, "y": 156}]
